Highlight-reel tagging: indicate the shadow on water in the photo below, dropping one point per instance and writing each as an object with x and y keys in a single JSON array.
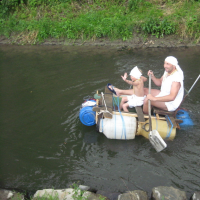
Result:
[{"x": 43, "y": 143}]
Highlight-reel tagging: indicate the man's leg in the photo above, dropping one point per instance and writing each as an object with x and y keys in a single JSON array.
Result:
[
  {"x": 159, "y": 104},
  {"x": 154, "y": 92}
]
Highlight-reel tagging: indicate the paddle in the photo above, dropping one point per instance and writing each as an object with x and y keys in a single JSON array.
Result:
[{"x": 154, "y": 137}]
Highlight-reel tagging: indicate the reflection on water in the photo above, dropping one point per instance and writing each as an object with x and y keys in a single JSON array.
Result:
[{"x": 43, "y": 144}]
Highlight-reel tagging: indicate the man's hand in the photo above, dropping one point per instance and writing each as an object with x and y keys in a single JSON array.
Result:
[
  {"x": 150, "y": 97},
  {"x": 125, "y": 76},
  {"x": 150, "y": 72}
]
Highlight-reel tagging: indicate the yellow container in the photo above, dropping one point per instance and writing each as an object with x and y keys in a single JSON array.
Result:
[{"x": 165, "y": 131}]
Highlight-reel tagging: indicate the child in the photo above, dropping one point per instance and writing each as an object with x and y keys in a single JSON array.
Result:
[{"x": 137, "y": 99}]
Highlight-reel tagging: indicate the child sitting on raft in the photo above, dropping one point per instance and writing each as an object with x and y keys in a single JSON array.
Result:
[{"x": 136, "y": 99}]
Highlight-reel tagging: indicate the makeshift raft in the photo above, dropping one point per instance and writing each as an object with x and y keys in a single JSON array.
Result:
[{"x": 115, "y": 124}]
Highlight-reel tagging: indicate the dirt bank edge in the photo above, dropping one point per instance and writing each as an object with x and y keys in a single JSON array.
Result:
[{"x": 136, "y": 42}]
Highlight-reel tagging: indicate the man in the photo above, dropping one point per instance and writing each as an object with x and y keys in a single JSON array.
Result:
[{"x": 171, "y": 94}]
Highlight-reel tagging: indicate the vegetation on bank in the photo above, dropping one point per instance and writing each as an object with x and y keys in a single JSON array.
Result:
[{"x": 32, "y": 21}]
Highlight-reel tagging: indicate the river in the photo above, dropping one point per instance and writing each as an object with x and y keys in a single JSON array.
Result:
[{"x": 43, "y": 144}]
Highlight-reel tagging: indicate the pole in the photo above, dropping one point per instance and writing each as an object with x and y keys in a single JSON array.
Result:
[{"x": 194, "y": 84}]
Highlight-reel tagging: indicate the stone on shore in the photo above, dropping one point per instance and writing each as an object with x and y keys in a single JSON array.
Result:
[
  {"x": 134, "y": 195},
  {"x": 109, "y": 195},
  {"x": 92, "y": 196},
  {"x": 163, "y": 192},
  {"x": 66, "y": 194},
  {"x": 195, "y": 196},
  {"x": 7, "y": 194}
]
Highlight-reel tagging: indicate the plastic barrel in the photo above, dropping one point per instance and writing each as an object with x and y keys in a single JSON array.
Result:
[
  {"x": 184, "y": 115},
  {"x": 87, "y": 116},
  {"x": 163, "y": 128},
  {"x": 119, "y": 127}
]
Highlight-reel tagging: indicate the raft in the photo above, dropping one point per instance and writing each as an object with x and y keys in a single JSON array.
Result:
[{"x": 115, "y": 124}]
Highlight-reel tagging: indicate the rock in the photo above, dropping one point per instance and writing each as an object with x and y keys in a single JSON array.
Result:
[
  {"x": 66, "y": 194},
  {"x": 171, "y": 193},
  {"x": 87, "y": 188},
  {"x": 84, "y": 187},
  {"x": 195, "y": 196},
  {"x": 134, "y": 195},
  {"x": 7, "y": 194},
  {"x": 109, "y": 195},
  {"x": 92, "y": 196}
]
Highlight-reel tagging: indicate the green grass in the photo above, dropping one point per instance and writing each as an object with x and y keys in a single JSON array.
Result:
[{"x": 31, "y": 21}]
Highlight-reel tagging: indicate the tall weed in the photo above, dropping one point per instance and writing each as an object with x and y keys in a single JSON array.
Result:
[{"x": 158, "y": 27}]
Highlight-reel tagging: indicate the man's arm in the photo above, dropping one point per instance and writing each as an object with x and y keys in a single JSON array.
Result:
[
  {"x": 157, "y": 81},
  {"x": 173, "y": 93}
]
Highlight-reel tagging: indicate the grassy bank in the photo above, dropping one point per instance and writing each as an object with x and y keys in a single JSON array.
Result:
[{"x": 33, "y": 21}]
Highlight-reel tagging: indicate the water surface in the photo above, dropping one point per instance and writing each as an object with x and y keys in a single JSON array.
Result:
[{"x": 43, "y": 144}]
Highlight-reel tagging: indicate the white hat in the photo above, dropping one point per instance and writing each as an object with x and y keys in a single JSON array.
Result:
[
  {"x": 135, "y": 72},
  {"x": 172, "y": 60}
]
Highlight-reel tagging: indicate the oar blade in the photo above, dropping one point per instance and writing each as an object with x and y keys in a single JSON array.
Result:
[{"x": 157, "y": 141}]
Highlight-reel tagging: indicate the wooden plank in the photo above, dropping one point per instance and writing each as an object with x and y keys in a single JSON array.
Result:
[
  {"x": 131, "y": 114},
  {"x": 173, "y": 121},
  {"x": 107, "y": 115},
  {"x": 107, "y": 91},
  {"x": 169, "y": 123},
  {"x": 98, "y": 108},
  {"x": 108, "y": 97},
  {"x": 140, "y": 113},
  {"x": 98, "y": 120},
  {"x": 163, "y": 112}
]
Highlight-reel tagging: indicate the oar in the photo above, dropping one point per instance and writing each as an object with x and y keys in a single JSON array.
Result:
[
  {"x": 188, "y": 92},
  {"x": 191, "y": 87},
  {"x": 154, "y": 137}
]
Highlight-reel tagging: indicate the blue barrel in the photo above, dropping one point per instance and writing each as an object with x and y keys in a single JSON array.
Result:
[
  {"x": 87, "y": 116},
  {"x": 184, "y": 115}
]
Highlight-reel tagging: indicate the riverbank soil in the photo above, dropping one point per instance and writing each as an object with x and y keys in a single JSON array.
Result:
[{"x": 136, "y": 42}]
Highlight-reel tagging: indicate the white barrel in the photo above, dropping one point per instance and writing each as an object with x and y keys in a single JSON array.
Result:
[{"x": 119, "y": 127}]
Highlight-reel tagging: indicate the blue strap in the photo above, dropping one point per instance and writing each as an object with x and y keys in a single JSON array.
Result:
[
  {"x": 123, "y": 123},
  {"x": 115, "y": 117},
  {"x": 168, "y": 135}
]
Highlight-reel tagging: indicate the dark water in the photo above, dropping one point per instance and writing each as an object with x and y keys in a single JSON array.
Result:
[{"x": 44, "y": 145}]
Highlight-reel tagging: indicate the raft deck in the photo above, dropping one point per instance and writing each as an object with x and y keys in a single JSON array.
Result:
[{"x": 106, "y": 108}]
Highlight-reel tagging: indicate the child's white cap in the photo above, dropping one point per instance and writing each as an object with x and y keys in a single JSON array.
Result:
[{"x": 135, "y": 72}]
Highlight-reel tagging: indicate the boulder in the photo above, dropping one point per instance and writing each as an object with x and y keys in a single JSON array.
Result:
[
  {"x": 8, "y": 194},
  {"x": 87, "y": 188},
  {"x": 66, "y": 194},
  {"x": 134, "y": 195},
  {"x": 109, "y": 195},
  {"x": 92, "y": 196},
  {"x": 171, "y": 193},
  {"x": 84, "y": 187},
  {"x": 195, "y": 196}
]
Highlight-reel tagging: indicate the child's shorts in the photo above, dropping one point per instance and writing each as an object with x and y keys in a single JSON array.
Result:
[{"x": 134, "y": 100}]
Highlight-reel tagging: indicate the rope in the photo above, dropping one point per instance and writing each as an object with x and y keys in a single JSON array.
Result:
[
  {"x": 123, "y": 123},
  {"x": 104, "y": 111},
  {"x": 168, "y": 135}
]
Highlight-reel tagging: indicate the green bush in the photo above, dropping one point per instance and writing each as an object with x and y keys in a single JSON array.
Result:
[{"x": 158, "y": 27}]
